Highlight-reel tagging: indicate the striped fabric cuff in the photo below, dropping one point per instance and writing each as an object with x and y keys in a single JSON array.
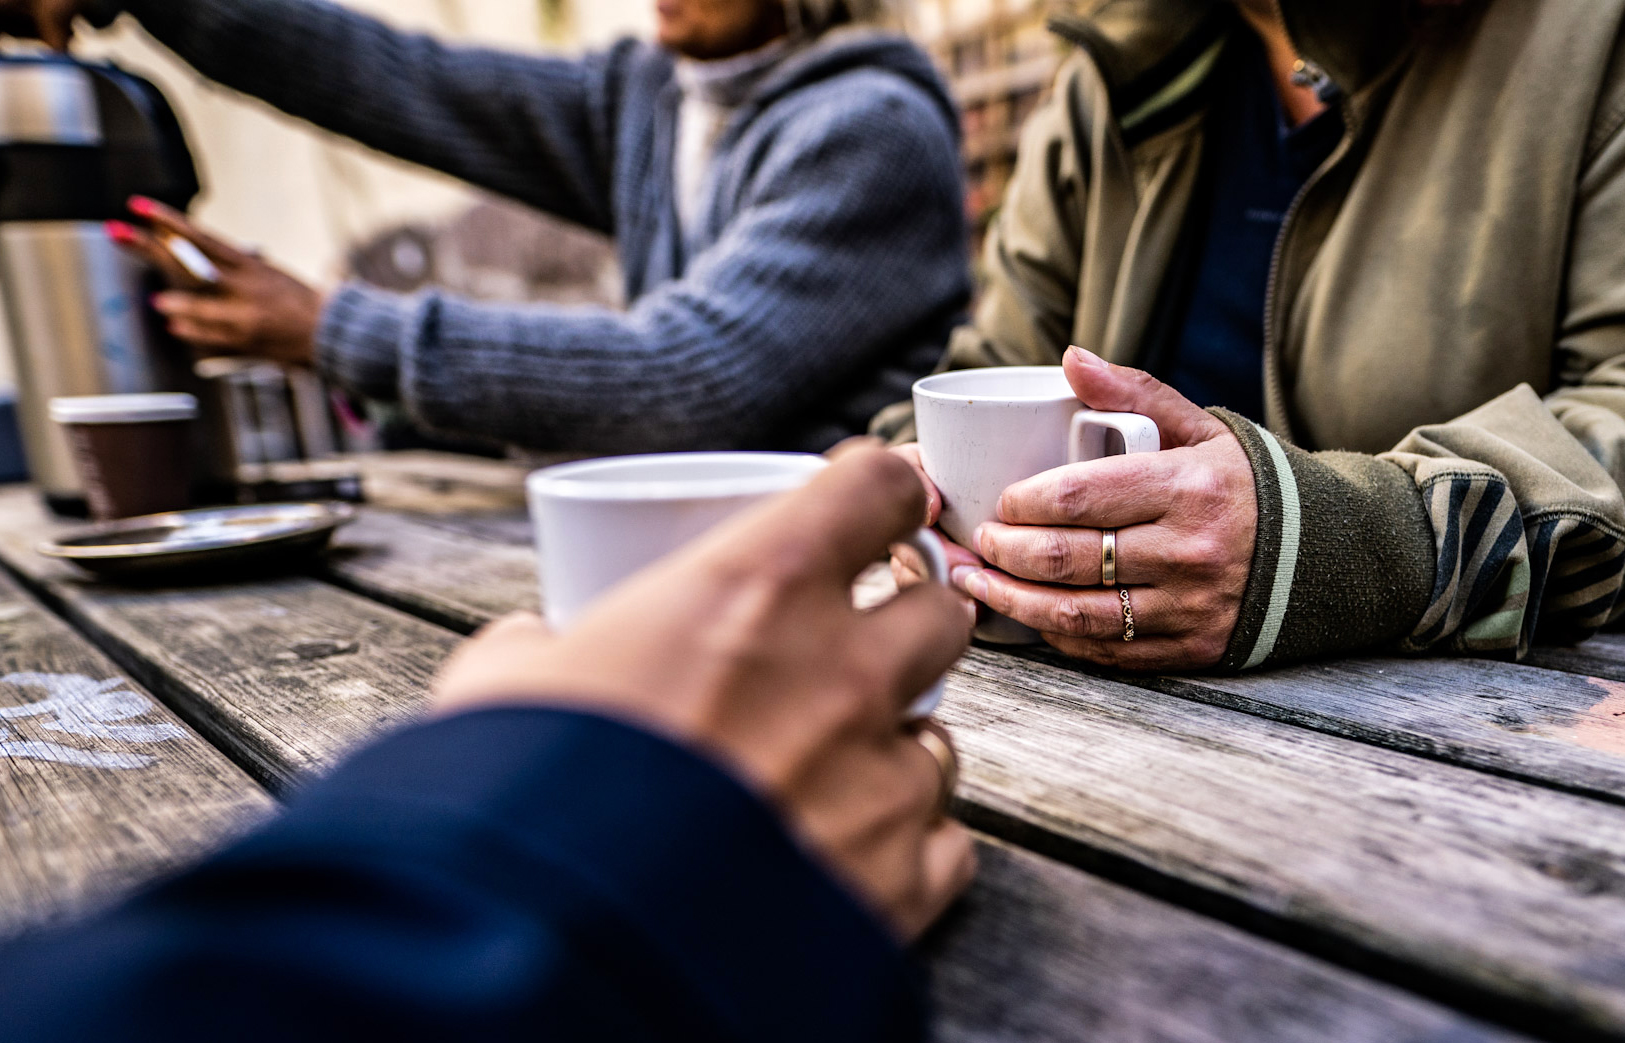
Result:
[{"x": 1343, "y": 558}]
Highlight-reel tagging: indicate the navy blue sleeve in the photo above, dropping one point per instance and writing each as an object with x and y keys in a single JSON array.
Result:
[{"x": 516, "y": 873}]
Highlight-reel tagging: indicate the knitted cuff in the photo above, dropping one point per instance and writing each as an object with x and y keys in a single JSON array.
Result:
[
  {"x": 358, "y": 340},
  {"x": 1344, "y": 558}
]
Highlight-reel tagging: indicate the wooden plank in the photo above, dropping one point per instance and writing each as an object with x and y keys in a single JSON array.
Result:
[
  {"x": 456, "y": 576},
  {"x": 1041, "y": 951},
  {"x": 511, "y": 527},
  {"x": 1493, "y": 885},
  {"x": 1496, "y": 886},
  {"x": 1523, "y": 721},
  {"x": 425, "y": 568},
  {"x": 443, "y": 483},
  {"x": 285, "y": 675},
  {"x": 1600, "y": 656},
  {"x": 102, "y": 788},
  {"x": 484, "y": 498},
  {"x": 422, "y": 508},
  {"x": 1550, "y": 726},
  {"x": 1556, "y": 728}
]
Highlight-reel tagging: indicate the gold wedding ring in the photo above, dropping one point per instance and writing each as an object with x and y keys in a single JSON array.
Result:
[
  {"x": 1108, "y": 557},
  {"x": 1128, "y": 616},
  {"x": 934, "y": 737}
]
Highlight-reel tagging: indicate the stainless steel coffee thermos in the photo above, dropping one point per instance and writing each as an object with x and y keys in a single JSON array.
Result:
[{"x": 76, "y": 141}]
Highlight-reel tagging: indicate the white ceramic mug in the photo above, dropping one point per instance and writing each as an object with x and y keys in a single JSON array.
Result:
[
  {"x": 599, "y": 521},
  {"x": 982, "y": 430}
]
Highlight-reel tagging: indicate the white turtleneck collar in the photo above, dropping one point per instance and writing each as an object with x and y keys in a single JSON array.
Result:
[{"x": 711, "y": 92}]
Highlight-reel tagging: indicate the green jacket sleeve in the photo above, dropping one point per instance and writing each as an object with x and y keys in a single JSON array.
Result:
[{"x": 1343, "y": 557}]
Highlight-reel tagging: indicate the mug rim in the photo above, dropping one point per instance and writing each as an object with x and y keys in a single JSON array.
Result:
[
  {"x": 923, "y": 387},
  {"x": 567, "y": 482}
]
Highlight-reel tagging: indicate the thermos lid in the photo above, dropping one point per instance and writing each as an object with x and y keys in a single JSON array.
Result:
[
  {"x": 78, "y": 139},
  {"x": 123, "y": 409},
  {"x": 48, "y": 102}
]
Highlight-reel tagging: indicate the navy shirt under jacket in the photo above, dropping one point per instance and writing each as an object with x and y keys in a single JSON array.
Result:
[
  {"x": 1256, "y": 168},
  {"x": 507, "y": 874}
]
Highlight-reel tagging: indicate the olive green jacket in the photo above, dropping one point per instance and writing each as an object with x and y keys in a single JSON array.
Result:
[{"x": 1447, "y": 303}]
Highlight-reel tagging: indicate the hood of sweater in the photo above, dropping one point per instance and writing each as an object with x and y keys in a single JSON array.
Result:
[{"x": 845, "y": 49}]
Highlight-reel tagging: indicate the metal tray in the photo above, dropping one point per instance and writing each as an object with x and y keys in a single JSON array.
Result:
[{"x": 210, "y": 540}]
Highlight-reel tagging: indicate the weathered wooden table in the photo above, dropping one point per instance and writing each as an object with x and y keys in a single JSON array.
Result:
[{"x": 1369, "y": 850}]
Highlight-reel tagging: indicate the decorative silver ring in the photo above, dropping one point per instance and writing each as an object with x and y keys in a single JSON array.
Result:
[
  {"x": 1108, "y": 557},
  {"x": 1128, "y": 615}
]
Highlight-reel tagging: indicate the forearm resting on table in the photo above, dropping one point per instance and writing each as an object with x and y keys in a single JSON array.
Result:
[{"x": 1474, "y": 536}]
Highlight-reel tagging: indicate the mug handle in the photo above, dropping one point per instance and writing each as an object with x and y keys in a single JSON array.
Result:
[
  {"x": 929, "y": 546},
  {"x": 1092, "y": 431}
]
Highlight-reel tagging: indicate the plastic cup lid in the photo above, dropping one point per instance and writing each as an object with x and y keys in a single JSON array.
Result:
[{"x": 122, "y": 409}]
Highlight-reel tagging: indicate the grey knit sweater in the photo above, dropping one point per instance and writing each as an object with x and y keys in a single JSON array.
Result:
[{"x": 826, "y": 273}]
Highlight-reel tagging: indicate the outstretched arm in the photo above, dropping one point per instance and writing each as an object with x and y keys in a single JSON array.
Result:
[
  {"x": 533, "y": 128},
  {"x": 848, "y": 242}
]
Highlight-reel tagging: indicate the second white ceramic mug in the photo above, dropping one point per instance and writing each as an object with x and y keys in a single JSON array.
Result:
[
  {"x": 983, "y": 430},
  {"x": 599, "y": 521}
]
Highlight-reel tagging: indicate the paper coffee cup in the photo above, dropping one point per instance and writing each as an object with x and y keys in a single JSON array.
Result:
[{"x": 134, "y": 452}]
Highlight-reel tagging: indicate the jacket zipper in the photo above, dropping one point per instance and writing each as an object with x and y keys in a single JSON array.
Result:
[{"x": 1276, "y": 416}]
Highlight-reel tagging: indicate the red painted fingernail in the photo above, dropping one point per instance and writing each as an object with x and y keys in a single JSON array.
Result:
[
  {"x": 141, "y": 206},
  {"x": 119, "y": 232},
  {"x": 157, "y": 301}
]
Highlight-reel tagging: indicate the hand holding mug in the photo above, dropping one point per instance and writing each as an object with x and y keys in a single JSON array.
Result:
[
  {"x": 745, "y": 645},
  {"x": 983, "y": 430},
  {"x": 1183, "y": 520}
]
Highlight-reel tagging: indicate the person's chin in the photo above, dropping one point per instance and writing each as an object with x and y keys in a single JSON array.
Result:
[{"x": 671, "y": 37}]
